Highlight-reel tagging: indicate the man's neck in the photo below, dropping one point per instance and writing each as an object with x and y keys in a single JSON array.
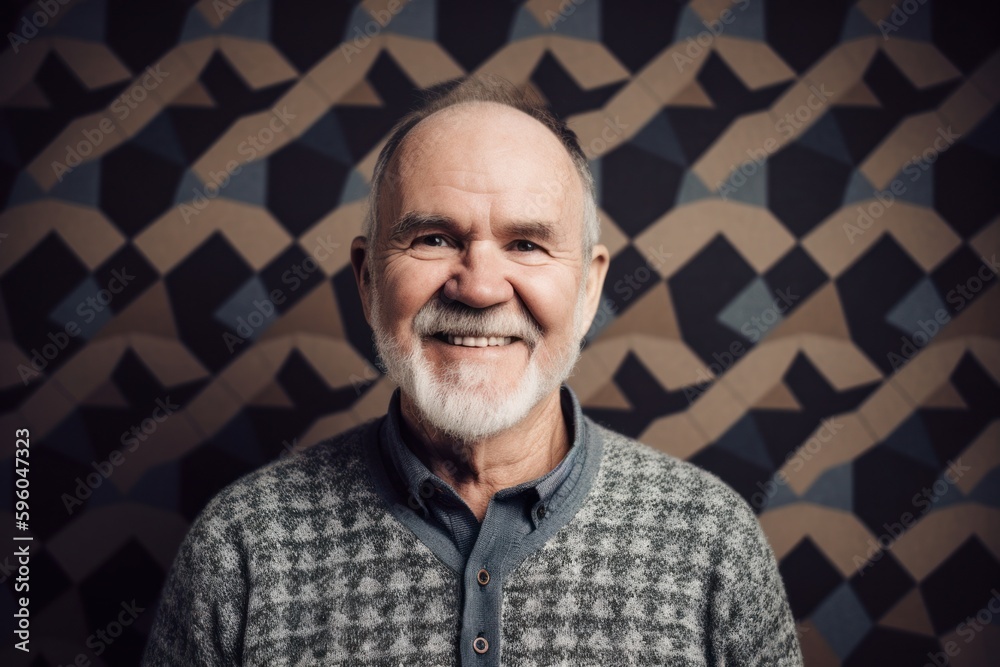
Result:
[{"x": 478, "y": 470}]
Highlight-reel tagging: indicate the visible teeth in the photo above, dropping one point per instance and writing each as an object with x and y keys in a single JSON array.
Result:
[{"x": 479, "y": 341}]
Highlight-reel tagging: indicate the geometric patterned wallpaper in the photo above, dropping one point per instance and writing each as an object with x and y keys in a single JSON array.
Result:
[{"x": 802, "y": 205}]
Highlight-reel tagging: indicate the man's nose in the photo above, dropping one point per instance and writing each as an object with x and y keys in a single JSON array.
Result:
[{"x": 480, "y": 277}]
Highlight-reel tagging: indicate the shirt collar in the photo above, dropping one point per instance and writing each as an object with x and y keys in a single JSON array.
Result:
[{"x": 418, "y": 483}]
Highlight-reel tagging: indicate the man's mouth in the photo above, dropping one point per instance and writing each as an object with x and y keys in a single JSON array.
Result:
[{"x": 476, "y": 341}]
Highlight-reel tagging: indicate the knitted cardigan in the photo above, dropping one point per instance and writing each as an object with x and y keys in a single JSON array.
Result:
[{"x": 302, "y": 563}]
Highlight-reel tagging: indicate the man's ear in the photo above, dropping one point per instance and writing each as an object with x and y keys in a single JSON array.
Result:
[
  {"x": 362, "y": 273},
  {"x": 600, "y": 260}
]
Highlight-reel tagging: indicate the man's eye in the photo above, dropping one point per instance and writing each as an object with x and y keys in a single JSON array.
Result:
[
  {"x": 434, "y": 240},
  {"x": 525, "y": 246}
]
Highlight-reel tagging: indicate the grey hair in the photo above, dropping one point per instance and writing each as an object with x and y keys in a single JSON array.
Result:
[{"x": 483, "y": 89}]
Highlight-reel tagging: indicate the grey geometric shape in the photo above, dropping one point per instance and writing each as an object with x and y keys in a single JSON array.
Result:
[
  {"x": 782, "y": 496},
  {"x": 692, "y": 189},
  {"x": 581, "y": 20},
  {"x": 82, "y": 185},
  {"x": 916, "y": 26},
  {"x": 249, "y": 184},
  {"x": 754, "y": 301},
  {"x": 918, "y": 306},
  {"x": 24, "y": 191},
  {"x": 842, "y": 620},
  {"x": 834, "y": 488},
  {"x": 987, "y": 491},
  {"x": 910, "y": 439},
  {"x": 917, "y": 185},
  {"x": 744, "y": 441},
  {"x": 747, "y": 183},
  {"x": 240, "y": 309},
  {"x": 746, "y": 22},
  {"x": 195, "y": 27},
  {"x": 159, "y": 138},
  {"x": 326, "y": 137},
  {"x": 355, "y": 188},
  {"x": 250, "y": 19},
  {"x": 417, "y": 19},
  {"x": 658, "y": 138},
  {"x": 85, "y": 20},
  {"x": 90, "y": 316},
  {"x": 857, "y": 25},
  {"x": 859, "y": 188},
  {"x": 525, "y": 25},
  {"x": 825, "y": 138}
]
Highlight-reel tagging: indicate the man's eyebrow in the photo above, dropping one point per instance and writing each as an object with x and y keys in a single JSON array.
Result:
[
  {"x": 537, "y": 230},
  {"x": 416, "y": 220}
]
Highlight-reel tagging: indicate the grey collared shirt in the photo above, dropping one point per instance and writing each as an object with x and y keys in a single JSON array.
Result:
[{"x": 484, "y": 553}]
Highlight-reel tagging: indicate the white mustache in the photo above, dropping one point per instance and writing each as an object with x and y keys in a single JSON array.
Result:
[{"x": 435, "y": 318}]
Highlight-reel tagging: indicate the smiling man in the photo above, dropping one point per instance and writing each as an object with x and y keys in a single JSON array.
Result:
[{"x": 484, "y": 520}]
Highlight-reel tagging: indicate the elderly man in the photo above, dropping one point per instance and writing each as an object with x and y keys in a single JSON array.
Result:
[{"x": 484, "y": 519}]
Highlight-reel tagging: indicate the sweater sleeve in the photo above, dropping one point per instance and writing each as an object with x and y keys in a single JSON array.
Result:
[
  {"x": 200, "y": 619},
  {"x": 751, "y": 621}
]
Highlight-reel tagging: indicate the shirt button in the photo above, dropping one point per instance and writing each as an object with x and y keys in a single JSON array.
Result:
[
  {"x": 483, "y": 577},
  {"x": 427, "y": 489},
  {"x": 480, "y": 645},
  {"x": 541, "y": 511}
]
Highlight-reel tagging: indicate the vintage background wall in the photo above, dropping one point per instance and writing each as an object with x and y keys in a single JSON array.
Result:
[{"x": 801, "y": 200}]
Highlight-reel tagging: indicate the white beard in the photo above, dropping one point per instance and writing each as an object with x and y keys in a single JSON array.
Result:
[{"x": 464, "y": 402}]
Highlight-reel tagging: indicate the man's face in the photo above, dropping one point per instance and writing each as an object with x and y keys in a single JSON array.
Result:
[{"x": 477, "y": 297}]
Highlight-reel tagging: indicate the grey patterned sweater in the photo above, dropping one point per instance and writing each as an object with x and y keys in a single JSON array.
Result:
[{"x": 302, "y": 563}]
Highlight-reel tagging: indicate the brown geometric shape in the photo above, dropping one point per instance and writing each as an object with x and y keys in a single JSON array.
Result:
[
  {"x": 966, "y": 108},
  {"x": 875, "y": 10},
  {"x": 425, "y": 62},
  {"x": 692, "y": 95},
  {"x": 194, "y": 95},
  {"x": 822, "y": 313},
  {"x": 748, "y": 136},
  {"x": 837, "y": 533},
  {"x": 106, "y": 395},
  {"x": 778, "y": 398},
  {"x": 589, "y": 375},
  {"x": 516, "y": 61},
  {"x": 89, "y": 368},
  {"x": 317, "y": 313},
  {"x": 946, "y": 396},
  {"x": 272, "y": 396},
  {"x": 340, "y": 70},
  {"x": 168, "y": 359},
  {"x": 215, "y": 12},
  {"x": 18, "y": 68},
  {"x": 859, "y": 96},
  {"x": 213, "y": 407},
  {"x": 671, "y": 362},
  {"x": 816, "y": 652},
  {"x": 328, "y": 242},
  {"x": 850, "y": 439},
  {"x": 652, "y": 314},
  {"x": 841, "y": 362},
  {"x": 676, "y": 434},
  {"x": 987, "y": 241},
  {"x": 361, "y": 95},
  {"x": 251, "y": 230},
  {"x": 987, "y": 353},
  {"x": 608, "y": 396},
  {"x": 982, "y": 456},
  {"x": 909, "y": 615},
  {"x": 976, "y": 650},
  {"x": 839, "y": 240},
  {"x": 612, "y": 237},
  {"x": 975, "y": 320},
  {"x": 987, "y": 77},
  {"x": 546, "y": 12},
  {"x": 90, "y": 235},
  {"x": 685, "y": 230},
  {"x": 93, "y": 63},
  {"x": 630, "y": 110},
  {"x": 335, "y": 360},
  {"x": 755, "y": 63},
  {"x": 928, "y": 369},
  {"x": 756, "y": 372},
  {"x": 922, "y": 63},
  {"x": 926, "y": 545},
  {"x": 589, "y": 63},
  {"x": 183, "y": 64},
  {"x": 99, "y": 123},
  {"x": 258, "y": 63},
  {"x": 716, "y": 410},
  {"x": 911, "y": 136},
  {"x": 45, "y": 409},
  {"x": 29, "y": 97},
  {"x": 151, "y": 312},
  {"x": 885, "y": 410},
  {"x": 670, "y": 72}
]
